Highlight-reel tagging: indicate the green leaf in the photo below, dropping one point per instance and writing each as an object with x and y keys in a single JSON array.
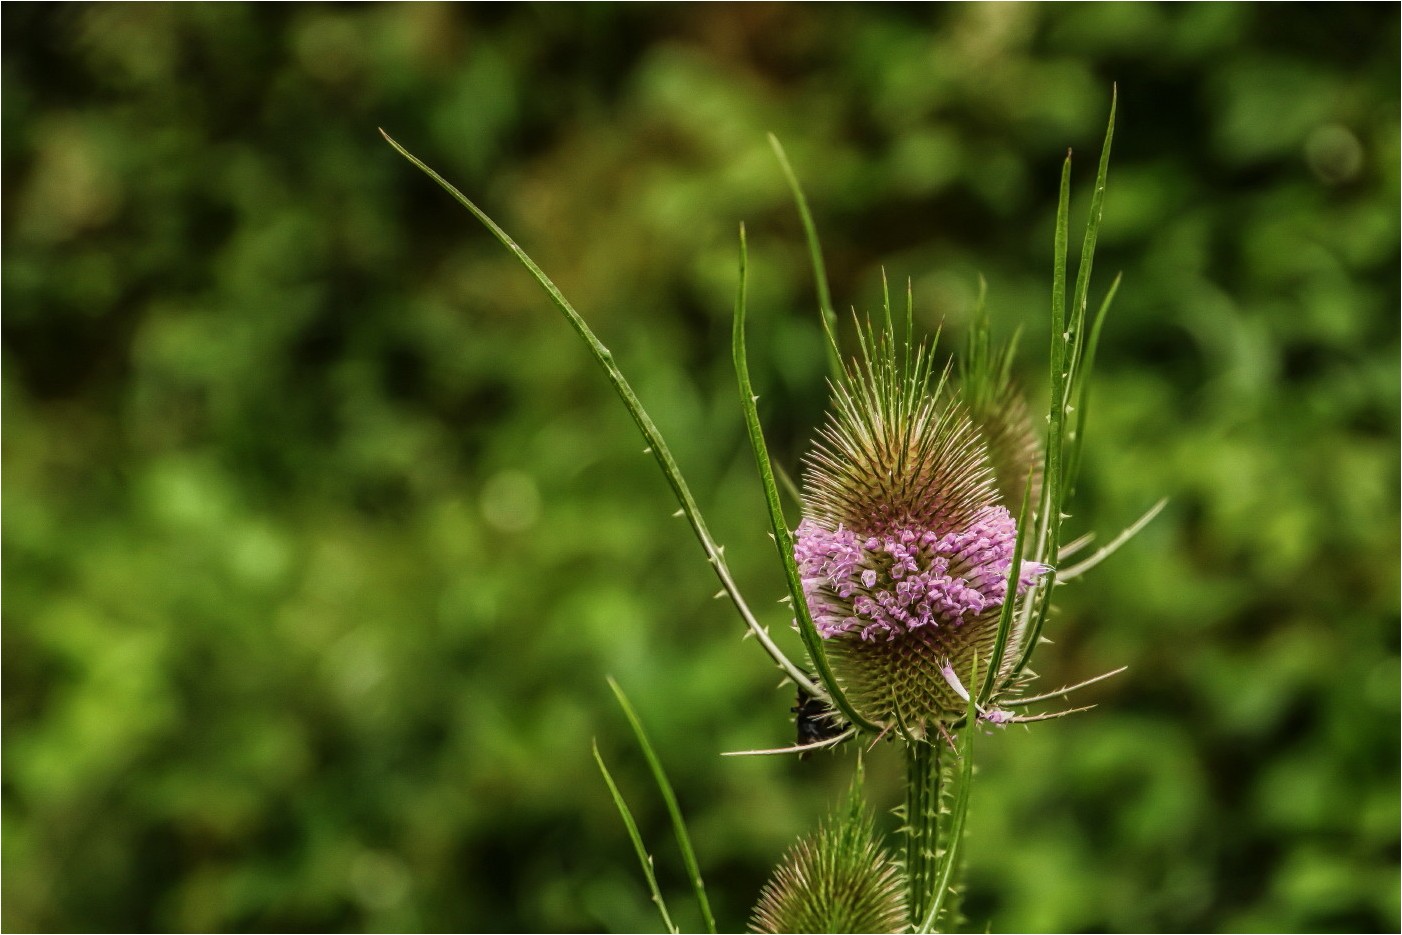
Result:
[
  {"x": 1114, "y": 544},
  {"x": 1084, "y": 354},
  {"x": 673, "y": 809},
  {"x": 1078, "y": 433},
  {"x": 815, "y": 254},
  {"x": 1068, "y": 346},
  {"x": 1097, "y": 210},
  {"x": 1049, "y": 518},
  {"x": 643, "y": 857}
]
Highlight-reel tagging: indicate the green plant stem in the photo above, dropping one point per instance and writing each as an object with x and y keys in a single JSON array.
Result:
[
  {"x": 941, "y": 901},
  {"x": 922, "y": 810}
]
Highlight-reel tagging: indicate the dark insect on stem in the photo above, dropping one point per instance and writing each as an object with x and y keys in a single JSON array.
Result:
[{"x": 815, "y": 721}]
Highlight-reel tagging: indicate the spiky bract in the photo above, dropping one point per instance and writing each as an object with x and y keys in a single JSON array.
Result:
[{"x": 838, "y": 880}]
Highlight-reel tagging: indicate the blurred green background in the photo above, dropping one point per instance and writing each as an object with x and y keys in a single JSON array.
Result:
[{"x": 322, "y": 531}]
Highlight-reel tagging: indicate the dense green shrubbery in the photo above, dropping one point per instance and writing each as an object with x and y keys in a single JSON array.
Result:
[{"x": 321, "y": 532}]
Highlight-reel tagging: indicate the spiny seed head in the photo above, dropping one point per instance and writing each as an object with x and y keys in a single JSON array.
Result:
[
  {"x": 837, "y": 880},
  {"x": 999, "y": 412},
  {"x": 907, "y": 543},
  {"x": 1014, "y": 449}
]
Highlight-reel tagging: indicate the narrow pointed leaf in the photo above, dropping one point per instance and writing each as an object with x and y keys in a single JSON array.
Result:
[
  {"x": 643, "y": 858},
  {"x": 815, "y": 254},
  {"x": 1097, "y": 209},
  {"x": 1065, "y": 690},
  {"x": 1111, "y": 547},
  {"x": 673, "y": 809},
  {"x": 1073, "y": 467}
]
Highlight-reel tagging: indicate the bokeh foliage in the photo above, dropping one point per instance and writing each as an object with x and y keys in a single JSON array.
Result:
[{"x": 321, "y": 531}]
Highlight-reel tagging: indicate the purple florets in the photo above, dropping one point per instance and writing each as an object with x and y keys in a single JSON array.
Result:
[{"x": 887, "y": 585}]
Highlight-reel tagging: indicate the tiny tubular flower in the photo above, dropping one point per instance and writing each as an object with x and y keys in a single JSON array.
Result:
[{"x": 883, "y": 587}]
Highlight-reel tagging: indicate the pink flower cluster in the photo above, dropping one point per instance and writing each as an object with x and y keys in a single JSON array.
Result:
[{"x": 892, "y": 584}]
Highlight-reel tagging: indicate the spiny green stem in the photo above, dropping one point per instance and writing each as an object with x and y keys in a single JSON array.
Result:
[
  {"x": 922, "y": 809},
  {"x": 953, "y": 828}
]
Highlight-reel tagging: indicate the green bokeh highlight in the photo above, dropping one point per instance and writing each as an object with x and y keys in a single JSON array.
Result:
[{"x": 322, "y": 531}]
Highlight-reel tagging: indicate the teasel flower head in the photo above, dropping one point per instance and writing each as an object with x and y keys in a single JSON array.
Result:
[{"x": 907, "y": 541}]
